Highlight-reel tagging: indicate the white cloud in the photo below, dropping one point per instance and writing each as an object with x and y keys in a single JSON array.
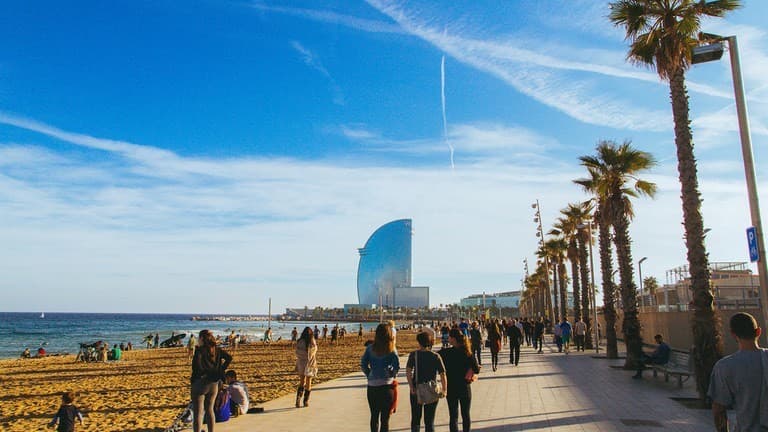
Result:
[{"x": 251, "y": 228}]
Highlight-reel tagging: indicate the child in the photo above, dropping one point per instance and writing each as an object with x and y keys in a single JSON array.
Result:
[
  {"x": 238, "y": 393},
  {"x": 66, "y": 415}
]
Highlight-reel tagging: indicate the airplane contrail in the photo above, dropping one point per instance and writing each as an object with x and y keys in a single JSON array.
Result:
[{"x": 445, "y": 119}]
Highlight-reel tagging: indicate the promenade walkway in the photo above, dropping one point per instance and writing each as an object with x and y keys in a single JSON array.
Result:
[{"x": 546, "y": 392}]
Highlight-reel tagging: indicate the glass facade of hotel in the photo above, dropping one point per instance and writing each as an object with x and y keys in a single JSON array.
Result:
[{"x": 385, "y": 268}]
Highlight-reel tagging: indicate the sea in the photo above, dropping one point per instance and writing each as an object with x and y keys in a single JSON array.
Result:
[{"x": 64, "y": 332}]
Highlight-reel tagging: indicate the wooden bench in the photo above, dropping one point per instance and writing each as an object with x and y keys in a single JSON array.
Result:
[{"x": 680, "y": 365}]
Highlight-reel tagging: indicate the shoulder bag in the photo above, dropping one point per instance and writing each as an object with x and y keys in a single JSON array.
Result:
[{"x": 428, "y": 392}]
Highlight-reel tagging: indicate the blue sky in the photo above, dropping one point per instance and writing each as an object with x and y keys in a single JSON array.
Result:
[{"x": 202, "y": 158}]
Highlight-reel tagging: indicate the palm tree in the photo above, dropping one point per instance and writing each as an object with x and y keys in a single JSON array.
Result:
[
  {"x": 662, "y": 33},
  {"x": 546, "y": 252},
  {"x": 566, "y": 227},
  {"x": 579, "y": 214},
  {"x": 614, "y": 170},
  {"x": 561, "y": 248}
]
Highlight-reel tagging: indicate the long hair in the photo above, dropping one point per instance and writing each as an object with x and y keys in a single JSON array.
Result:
[
  {"x": 308, "y": 336},
  {"x": 208, "y": 342},
  {"x": 461, "y": 341},
  {"x": 383, "y": 342},
  {"x": 493, "y": 329}
]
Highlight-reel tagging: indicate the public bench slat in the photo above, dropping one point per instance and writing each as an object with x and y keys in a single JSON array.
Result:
[{"x": 679, "y": 365}]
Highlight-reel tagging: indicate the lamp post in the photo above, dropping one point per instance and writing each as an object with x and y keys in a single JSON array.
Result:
[
  {"x": 713, "y": 51},
  {"x": 540, "y": 235},
  {"x": 640, "y": 274}
]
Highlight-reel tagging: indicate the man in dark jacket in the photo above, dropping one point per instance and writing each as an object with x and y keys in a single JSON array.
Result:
[
  {"x": 659, "y": 356},
  {"x": 538, "y": 334},
  {"x": 476, "y": 337},
  {"x": 515, "y": 340}
]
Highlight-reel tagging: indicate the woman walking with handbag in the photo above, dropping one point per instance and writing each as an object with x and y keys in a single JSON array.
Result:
[
  {"x": 208, "y": 365},
  {"x": 461, "y": 369},
  {"x": 494, "y": 343},
  {"x": 380, "y": 365},
  {"x": 421, "y": 371},
  {"x": 306, "y": 364}
]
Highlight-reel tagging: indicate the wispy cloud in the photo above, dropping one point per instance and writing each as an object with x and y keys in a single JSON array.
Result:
[
  {"x": 473, "y": 142},
  {"x": 540, "y": 74},
  {"x": 371, "y": 26},
  {"x": 313, "y": 61}
]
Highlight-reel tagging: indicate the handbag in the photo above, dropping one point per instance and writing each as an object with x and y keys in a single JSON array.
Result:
[
  {"x": 487, "y": 343},
  {"x": 427, "y": 392}
]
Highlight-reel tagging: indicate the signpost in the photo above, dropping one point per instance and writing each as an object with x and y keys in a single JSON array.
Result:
[{"x": 754, "y": 254}]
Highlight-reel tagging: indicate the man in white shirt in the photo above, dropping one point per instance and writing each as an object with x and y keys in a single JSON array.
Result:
[
  {"x": 238, "y": 393},
  {"x": 579, "y": 334}
]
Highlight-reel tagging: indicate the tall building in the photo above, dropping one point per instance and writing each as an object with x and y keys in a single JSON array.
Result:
[{"x": 384, "y": 271}]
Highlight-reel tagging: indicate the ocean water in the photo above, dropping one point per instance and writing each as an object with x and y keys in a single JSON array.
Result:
[{"x": 63, "y": 332}]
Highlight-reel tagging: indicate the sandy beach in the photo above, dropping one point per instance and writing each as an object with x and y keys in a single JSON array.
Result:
[{"x": 147, "y": 389}]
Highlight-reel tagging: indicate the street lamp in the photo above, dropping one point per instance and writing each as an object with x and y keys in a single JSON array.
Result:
[
  {"x": 540, "y": 235},
  {"x": 713, "y": 51},
  {"x": 640, "y": 273}
]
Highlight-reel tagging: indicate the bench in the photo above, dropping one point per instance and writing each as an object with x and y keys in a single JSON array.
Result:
[{"x": 679, "y": 365}]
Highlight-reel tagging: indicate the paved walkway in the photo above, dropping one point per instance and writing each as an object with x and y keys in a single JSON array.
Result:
[{"x": 546, "y": 392}]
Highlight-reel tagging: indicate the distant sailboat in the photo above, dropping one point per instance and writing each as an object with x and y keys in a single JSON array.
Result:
[{"x": 42, "y": 315}]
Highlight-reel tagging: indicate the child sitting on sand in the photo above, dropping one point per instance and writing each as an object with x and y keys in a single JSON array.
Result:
[
  {"x": 238, "y": 393},
  {"x": 66, "y": 415}
]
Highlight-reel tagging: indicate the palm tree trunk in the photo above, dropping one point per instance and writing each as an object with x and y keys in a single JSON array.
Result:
[
  {"x": 563, "y": 290},
  {"x": 707, "y": 339},
  {"x": 556, "y": 309},
  {"x": 609, "y": 291},
  {"x": 584, "y": 270},
  {"x": 631, "y": 323},
  {"x": 574, "y": 259}
]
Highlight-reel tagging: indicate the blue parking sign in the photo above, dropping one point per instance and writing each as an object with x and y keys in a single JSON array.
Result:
[{"x": 754, "y": 255}]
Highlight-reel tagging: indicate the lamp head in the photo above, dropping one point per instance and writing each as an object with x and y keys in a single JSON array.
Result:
[{"x": 706, "y": 53}]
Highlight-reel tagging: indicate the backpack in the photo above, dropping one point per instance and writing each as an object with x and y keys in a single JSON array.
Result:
[{"x": 221, "y": 408}]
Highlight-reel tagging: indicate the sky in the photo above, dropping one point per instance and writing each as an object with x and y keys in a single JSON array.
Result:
[{"x": 204, "y": 157}]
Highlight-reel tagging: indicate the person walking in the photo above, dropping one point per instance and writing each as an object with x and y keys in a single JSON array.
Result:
[
  {"x": 579, "y": 334},
  {"x": 380, "y": 364},
  {"x": 515, "y": 340},
  {"x": 528, "y": 330},
  {"x": 494, "y": 342},
  {"x": 423, "y": 366},
  {"x": 459, "y": 361},
  {"x": 476, "y": 337},
  {"x": 565, "y": 334},
  {"x": 740, "y": 380},
  {"x": 538, "y": 334},
  {"x": 306, "y": 365},
  {"x": 209, "y": 363}
]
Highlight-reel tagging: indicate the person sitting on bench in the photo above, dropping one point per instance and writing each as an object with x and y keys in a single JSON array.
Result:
[{"x": 660, "y": 356}]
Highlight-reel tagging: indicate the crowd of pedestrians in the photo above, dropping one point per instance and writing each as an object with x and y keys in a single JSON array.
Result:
[{"x": 449, "y": 372}]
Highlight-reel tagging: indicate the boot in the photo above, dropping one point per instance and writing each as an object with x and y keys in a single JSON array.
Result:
[
  {"x": 306, "y": 398},
  {"x": 299, "y": 393}
]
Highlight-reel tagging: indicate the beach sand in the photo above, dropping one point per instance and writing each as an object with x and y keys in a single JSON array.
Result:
[{"x": 148, "y": 388}]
